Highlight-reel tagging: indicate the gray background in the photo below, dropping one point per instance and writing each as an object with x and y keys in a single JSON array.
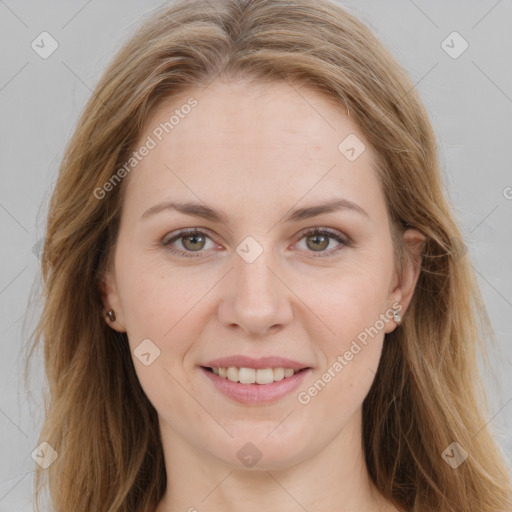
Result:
[{"x": 469, "y": 99}]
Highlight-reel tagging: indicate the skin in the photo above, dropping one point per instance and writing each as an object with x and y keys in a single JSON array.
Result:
[{"x": 257, "y": 152}]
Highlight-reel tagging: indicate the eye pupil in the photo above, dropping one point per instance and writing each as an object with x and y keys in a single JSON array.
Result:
[
  {"x": 325, "y": 243},
  {"x": 193, "y": 237}
]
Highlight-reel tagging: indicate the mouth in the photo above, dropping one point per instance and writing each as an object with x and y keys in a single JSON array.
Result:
[
  {"x": 255, "y": 381},
  {"x": 260, "y": 376}
]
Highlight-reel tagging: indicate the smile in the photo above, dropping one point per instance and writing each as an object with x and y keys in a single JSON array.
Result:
[
  {"x": 250, "y": 386},
  {"x": 252, "y": 375}
]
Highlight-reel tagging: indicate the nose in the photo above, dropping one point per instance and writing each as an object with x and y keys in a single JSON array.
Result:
[{"x": 255, "y": 298}]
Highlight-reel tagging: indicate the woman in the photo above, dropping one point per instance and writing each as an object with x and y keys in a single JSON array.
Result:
[{"x": 256, "y": 295}]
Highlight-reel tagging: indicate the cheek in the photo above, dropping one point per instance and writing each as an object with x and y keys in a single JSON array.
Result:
[
  {"x": 166, "y": 311},
  {"x": 350, "y": 359},
  {"x": 154, "y": 295},
  {"x": 352, "y": 307},
  {"x": 346, "y": 302},
  {"x": 171, "y": 308}
]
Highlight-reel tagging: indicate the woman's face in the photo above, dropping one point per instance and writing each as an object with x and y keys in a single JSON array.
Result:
[{"x": 258, "y": 289}]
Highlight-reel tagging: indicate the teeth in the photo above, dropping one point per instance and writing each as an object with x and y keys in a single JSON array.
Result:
[
  {"x": 243, "y": 375},
  {"x": 264, "y": 376},
  {"x": 252, "y": 376},
  {"x": 232, "y": 374},
  {"x": 278, "y": 373}
]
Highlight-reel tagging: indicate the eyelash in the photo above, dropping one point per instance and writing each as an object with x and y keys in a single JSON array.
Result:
[{"x": 313, "y": 231}]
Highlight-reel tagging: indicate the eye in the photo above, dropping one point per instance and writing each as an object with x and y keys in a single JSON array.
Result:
[
  {"x": 318, "y": 239},
  {"x": 194, "y": 240}
]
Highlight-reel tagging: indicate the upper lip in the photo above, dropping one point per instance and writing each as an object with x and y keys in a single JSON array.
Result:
[{"x": 240, "y": 361}]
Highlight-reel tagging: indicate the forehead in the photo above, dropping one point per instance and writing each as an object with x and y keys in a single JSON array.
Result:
[{"x": 242, "y": 142}]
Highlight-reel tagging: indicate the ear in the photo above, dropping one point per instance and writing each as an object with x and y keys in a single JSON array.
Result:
[
  {"x": 111, "y": 300},
  {"x": 406, "y": 278}
]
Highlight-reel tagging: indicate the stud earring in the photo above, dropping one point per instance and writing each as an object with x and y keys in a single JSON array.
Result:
[
  {"x": 397, "y": 317},
  {"x": 111, "y": 315}
]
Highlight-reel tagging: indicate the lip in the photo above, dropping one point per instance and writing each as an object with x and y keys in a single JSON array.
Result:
[
  {"x": 241, "y": 361},
  {"x": 256, "y": 394}
]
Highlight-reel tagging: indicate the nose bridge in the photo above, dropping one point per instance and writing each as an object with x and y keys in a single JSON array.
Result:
[
  {"x": 257, "y": 300},
  {"x": 254, "y": 277}
]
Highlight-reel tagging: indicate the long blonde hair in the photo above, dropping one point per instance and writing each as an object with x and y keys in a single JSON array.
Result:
[{"x": 427, "y": 392}]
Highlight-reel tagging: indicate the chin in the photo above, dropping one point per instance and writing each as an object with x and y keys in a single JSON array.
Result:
[{"x": 258, "y": 452}]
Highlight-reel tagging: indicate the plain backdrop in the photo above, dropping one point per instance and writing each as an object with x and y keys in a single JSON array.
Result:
[{"x": 467, "y": 93}]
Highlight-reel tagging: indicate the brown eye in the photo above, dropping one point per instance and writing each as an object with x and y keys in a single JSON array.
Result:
[
  {"x": 319, "y": 242},
  {"x": 193, "y": 242}
]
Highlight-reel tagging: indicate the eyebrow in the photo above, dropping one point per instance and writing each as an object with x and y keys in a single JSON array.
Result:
[{"x": 205, "y": 212}]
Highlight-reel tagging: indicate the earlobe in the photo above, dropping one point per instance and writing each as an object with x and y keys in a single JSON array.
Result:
[{"x": 112, "y": 312}]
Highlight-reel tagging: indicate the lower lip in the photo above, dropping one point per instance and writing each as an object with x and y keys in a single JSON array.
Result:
[{"x": 256, "y": 394}]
